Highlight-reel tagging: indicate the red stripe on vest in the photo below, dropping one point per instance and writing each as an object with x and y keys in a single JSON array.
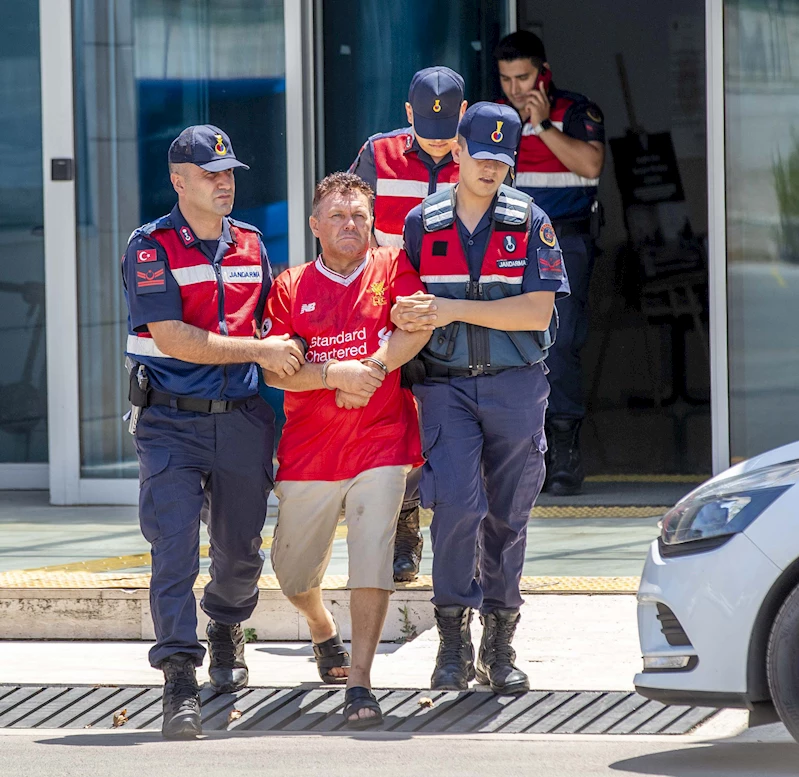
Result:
[
  {"x": 393, "y": 164},
  {"x": 498, "y": 260},
  {"x": 201, "y": 300}
]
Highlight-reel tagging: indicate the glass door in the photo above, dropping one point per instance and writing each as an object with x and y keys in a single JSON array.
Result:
[
  {"x": 23, "y": 384},
  {"x": 761, "y": 91},
  {"x": 121, "y": 80}
]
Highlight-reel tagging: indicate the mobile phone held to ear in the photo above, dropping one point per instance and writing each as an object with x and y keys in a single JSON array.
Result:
[{"x": 544, "y": 77}]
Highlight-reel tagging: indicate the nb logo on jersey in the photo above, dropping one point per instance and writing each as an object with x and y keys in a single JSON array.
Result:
[
  {"x": 308, "y": 308},
  {"x": 384, "y": 335}
]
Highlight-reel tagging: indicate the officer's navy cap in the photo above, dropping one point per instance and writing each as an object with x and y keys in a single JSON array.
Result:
[
  {"x": 491, "y": 131},
  {"x": 436, "y": 94},
  {"x": 204, "y": 145}
]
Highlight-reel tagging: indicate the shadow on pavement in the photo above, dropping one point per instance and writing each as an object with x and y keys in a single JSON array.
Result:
[{"x": 751, "y": 759}]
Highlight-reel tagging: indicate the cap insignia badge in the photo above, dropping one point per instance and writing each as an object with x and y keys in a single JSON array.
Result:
[
  {"x": 497, "y": 135},
  {"x": 220, "y": 146},
  {"x": 437, "y": 106}
]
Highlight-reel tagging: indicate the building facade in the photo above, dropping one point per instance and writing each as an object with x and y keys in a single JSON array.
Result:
[{"x": 93, "y": 92}]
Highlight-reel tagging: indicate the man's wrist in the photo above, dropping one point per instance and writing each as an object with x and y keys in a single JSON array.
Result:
[
  {"x": 542, "y": 126},
  {"x": 377, "y": 363},
  {"x": 325, "y": 374}
]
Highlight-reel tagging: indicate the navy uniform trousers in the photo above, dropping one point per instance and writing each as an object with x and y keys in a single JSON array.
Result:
[
  {"x": 211, "y": 467},
  {"x": 565, "y": 367},
  {"x": 484, "y": 442}
]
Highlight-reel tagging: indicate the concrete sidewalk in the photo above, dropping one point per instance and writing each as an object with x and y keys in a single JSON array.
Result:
[{"x": 563, "y": 643}]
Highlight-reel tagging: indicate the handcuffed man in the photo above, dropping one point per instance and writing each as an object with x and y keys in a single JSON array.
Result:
[{"x": 351, "y": 434}]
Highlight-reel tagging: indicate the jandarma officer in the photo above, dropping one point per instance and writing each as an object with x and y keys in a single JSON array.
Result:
[
  {"x": 561, "y": 154},
  {"x": 402, "y": 167},
  {"x": 196, "y": 283},
  {"x": 491, "y": 258}
]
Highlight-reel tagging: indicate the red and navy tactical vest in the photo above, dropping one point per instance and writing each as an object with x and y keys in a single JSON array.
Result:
[
  {"x": 560, "y": 193},
  {"x": 226, "y": 298},
  {"x": 403, "y": 181},
  {"x": 444, "y": 269}
]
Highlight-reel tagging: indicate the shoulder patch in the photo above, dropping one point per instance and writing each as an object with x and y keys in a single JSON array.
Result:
[
  {"x": 513, "y": 206},
  {"x": 244, "y": 225},
  {"x": 593, "y": 113},
  {"x": 547, "y": 234},
  {"x": 147, "y": 229},
  {"x": 438, "y": 210}
]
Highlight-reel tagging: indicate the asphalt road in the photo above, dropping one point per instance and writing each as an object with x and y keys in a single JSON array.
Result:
[{"x": 136, "y": 754}]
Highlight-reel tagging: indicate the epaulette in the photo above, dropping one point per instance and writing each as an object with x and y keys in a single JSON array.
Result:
[
  {"x": 513, "y": 206},
  {"x": 147, "y": 229},
  {"x": 438, "y": 210},
  {"x": 244, "y": 225}
]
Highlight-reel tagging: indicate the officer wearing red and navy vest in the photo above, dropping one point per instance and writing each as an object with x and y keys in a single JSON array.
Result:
[
  {"x": 196, "y": 283},
  {"x": 491, "y": 259},
  {"x": 403, "y": 167},
  {"x": 560, "y": 157}
]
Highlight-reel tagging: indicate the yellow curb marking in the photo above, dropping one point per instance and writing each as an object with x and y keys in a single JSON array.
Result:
[
  {"x": 647, "y": 478},
  {"x": 86, "y": 580}
]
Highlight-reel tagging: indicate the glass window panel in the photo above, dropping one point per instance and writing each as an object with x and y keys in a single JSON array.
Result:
[
  {"x": 23, "y": 382},
  {"x": 144, "y": 70},
  {"x": 761, "y": 41}
]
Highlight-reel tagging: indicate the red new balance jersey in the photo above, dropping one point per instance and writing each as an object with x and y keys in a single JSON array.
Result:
[{"x": 344, "y": 318}]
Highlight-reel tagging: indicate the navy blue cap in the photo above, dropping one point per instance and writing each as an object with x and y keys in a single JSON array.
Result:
[
  {"x": 436, "y": 94},
  {"x": 204, "y": 145},
  {"x": 492, "y": 131}
]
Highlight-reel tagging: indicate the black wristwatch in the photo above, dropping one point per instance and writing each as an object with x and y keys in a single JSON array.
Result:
[{"x": 543, "y": 125}]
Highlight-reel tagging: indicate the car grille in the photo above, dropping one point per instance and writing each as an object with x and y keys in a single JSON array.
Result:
[{"x": 672, "y": 630}]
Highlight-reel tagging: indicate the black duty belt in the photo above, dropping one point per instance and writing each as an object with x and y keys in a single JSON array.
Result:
[
  {"x": 436, "y": 371},
  {"x": 569, "y": 228},
  {"x": 195, "y": 405}
]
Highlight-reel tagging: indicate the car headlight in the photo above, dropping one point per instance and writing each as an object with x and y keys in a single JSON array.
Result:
[{"x": 714, "y": 512}]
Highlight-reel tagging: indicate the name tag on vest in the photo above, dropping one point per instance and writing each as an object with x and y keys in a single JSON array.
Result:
[{"x": 251, "y": 273}]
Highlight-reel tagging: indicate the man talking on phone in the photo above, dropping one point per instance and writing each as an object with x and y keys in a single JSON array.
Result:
[{"x": 560, "y": 157}]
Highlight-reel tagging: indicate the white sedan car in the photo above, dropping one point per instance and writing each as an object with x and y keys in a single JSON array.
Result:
[{"x": 718, "y": 606}]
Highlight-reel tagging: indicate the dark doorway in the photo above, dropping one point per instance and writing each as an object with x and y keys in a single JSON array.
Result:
[{"x": 647, "y": 376}]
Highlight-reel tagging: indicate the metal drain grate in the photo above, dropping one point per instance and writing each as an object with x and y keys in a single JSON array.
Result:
[{"x": 318, "y": 710}]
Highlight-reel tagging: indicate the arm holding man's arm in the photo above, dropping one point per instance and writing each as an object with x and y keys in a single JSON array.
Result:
[
  {"x": 544, "y": 279},
  {"x": 188, "y": 343}
]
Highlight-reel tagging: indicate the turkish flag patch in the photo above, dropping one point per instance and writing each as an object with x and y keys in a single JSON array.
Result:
[
  {"x": 550, "y": 264},
  {"x": 152, "y": 279},
  {"x": 149, "y": 255}
]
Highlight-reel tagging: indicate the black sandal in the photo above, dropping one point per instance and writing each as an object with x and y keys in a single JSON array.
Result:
[
  {"x": 331, "y": 654},
  {"x": 356, "y": 699}
]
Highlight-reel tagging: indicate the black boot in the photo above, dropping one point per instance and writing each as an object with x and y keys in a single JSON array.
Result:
[
  {"x": 181, "y": 698},
  {"x": 455, "y": 659},
  {"x": 564, "y": 464},
  {"x": 495, "y": 665},
  {"x": 407, "y": 546},
  {"x": 227, "y": 672}
]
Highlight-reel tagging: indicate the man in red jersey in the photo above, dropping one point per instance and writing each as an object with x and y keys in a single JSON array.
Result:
[
  {"x": 351, "y": 434},
  {"x": 403, "y": 167}
]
